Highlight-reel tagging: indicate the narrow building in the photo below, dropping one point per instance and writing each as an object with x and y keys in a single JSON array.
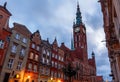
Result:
[
  {"x": 32, "y": 66},
  {"x": 4, "y": 33},
  {"x": 45, "y": 61},
  {"x": 16, "y": 55},
  {"x": 111, "y": 24}
]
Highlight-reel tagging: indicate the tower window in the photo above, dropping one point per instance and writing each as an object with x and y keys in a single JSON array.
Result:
[{"x": 1, "y": 16}]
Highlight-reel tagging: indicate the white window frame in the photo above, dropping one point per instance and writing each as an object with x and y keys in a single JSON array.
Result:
[
  {"x": 1, "y": 44},
  {"x": 33, "y": 45},
  {"x": 17, "y": 36},
  {"x": 22, "y": 52},
  {"x": 24, "y": 40},
  {"x": 19, "y": 65},
  {"x": 14, "y": 48},
  {"x": 10, "y": 63}
]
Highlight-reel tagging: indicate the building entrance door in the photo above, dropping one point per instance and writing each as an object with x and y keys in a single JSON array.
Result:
[{"x": 6, "y": 78}]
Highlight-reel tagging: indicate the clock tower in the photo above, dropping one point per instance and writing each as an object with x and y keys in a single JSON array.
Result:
[{"x": 79, "y": 34}]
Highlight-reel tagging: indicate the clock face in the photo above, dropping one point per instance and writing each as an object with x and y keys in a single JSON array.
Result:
[{"x": 77, "y": 29}]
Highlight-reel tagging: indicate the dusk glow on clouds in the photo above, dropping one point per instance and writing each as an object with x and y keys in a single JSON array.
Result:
[{"x": 54, "y": 18}]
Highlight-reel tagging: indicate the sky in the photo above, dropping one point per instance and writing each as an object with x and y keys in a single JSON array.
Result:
[{"x": 54, "y": 18}]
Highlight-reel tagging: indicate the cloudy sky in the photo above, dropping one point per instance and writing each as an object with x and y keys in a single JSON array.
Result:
[{"x": 54, "y": 18}]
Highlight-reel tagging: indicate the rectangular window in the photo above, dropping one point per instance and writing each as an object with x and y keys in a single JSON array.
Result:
[
  {"x": 52, "y": 74},
  {"x": 38, "y": 48},
  {"x": 1, "y": 44},
  {"x": 19, "y": 65},
  {"x": 14, "y": 48},
  {"x": 33, "y": 45},
  {"x": 44, "y": 52},
  {"x": 55, "y": 64},
  {"x": 24, "y": 40},
  {"x": 17, "y": 36},
  {"x": 36, "y": 57},
  {"x": 41, "y": 70},
  {"x": 22, "y": 52},
  {"x": 31, "y": 55},
  {"x": 47, "y": 61},
  {"x": 35, "y": 68},
  {"x": 56, "y": 56},
  {"x": 53, "y": 55},
  {"x": 29, "y": 66},
  {"x": 43, "y": 60},
  {"x": 52, "y": 63},
  {"x": 10, "y": 63}
]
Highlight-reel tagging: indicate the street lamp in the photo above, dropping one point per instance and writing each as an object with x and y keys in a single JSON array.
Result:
[{"x": 28, "y": 77}]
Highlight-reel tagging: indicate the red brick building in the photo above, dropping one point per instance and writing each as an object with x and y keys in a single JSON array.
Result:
[
  {"x": 99, "y": 79},
  {"x": 111, "y": 24},
  {"x": 57, "y": 62},
  {"x": 4, "y": 32},
  {"x": 78, "y": 55},
  {"x": 32, "y": 65}
]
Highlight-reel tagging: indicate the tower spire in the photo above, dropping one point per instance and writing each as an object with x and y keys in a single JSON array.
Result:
[{"x": 78, "y": 15}]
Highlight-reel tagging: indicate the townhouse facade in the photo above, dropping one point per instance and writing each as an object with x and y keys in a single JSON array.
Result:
[
  {"x": 4, "y": 29},
  {"x": 16, "y": 55},
  {"x": 45, "y": 61},
  {"x": 32, "y": 64},
  {"x": 111, "y": 20},
  {"x": 31, "y": 59}
]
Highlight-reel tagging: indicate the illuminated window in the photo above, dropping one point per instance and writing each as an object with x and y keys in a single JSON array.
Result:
[
  {"x": 31, "y": 55},
  {"x": 30, "y": 66},
  {"x": 10, "y": 63},
  {"x": 36, "y": 57},
  {"x": 35, "y": 68}
]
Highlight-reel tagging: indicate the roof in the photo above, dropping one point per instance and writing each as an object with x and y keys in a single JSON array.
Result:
[
  {"x": 3, "y": 8},
  {"x": 21, "y": 29},
  {"x": 99, "y": 78}
]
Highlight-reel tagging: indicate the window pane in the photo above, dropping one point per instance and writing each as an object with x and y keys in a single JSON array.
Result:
[
  {"x": 1, "y": 44},
  {"x": 31, "y": 55},
  {"x": 17, "y": 36},
  {"x": 14, "y": 48}
]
